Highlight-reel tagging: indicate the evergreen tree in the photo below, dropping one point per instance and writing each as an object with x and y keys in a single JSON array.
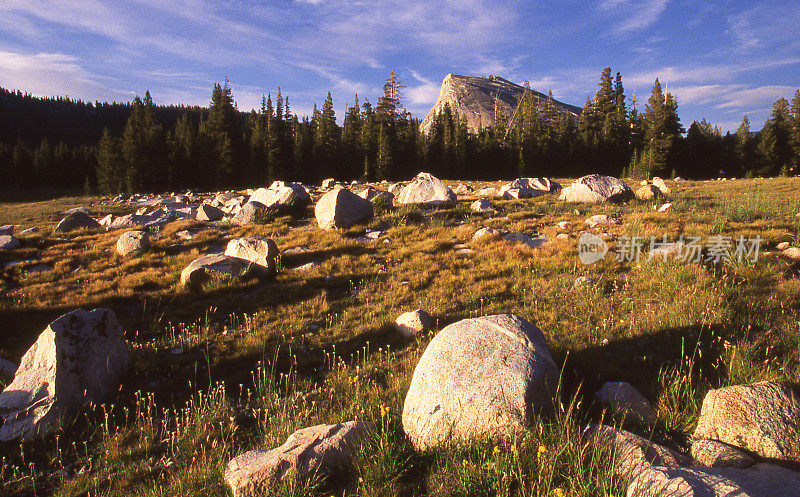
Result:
[
  {"x": 794, "y": 126},
  {"x": 143, "y": 146},
  {"x": 746, "y": 148},
  {"x": 110, "y": 167},
  {"x": 222, "y": 135},
  {"x": 662, "y": 130},
  {"x": 326, "y": 138},
  {"x": 775, "y": 144}
]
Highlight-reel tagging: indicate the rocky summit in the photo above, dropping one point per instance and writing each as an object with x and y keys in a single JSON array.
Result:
[{"x": 482, "y": 100}]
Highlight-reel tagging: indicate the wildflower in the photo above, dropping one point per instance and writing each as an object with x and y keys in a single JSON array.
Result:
[
  {"x": 542, "y": 450},
  {"x": 464, "y": 463},
  {"x": 559, "y": 492},
  {"x": 496, "y": 450}
]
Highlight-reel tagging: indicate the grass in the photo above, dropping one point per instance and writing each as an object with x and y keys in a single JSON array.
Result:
[{"x": 317, "y": 346}]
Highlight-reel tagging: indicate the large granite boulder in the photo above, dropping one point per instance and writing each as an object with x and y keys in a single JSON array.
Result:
[
  {"x": 479, "y": 378},
  {"x": 79, "y": 358},
  {"x": 133, "y": 243},
  {"x": 527, "y": 188},
  {"x": 632, "y": 453},
  {"x": 426, "y": 189},
  {"x": 283, "y": 196},
  {"x": 208, "y": 212},
  {"x": 7, "y": 229},
  {"x": 412, "y": 323},
  {"x": 596, "y": 188},
  {"x": 761, "y": 480},
  {"x": 714, "y": 454},
  {"x": 207, "y": 267},
  {"x": 76, "y": 220},
  {"x": 249, "y": 213},
  {"x": 661, "y": 185},
  {"x": 762, "y": 418},
  {"x": 261, "y": 253},
  {"x": 340, "y": 208},
  {"x": 316, "y": 450}
]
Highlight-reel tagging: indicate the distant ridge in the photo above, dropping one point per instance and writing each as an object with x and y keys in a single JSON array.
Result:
[{"x": 475, "y": 98}]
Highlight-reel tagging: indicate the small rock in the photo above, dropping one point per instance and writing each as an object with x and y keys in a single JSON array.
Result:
[
  {"x": 413, "y": 323},
  {"x": 792, "y": 254},
  {"x": 482, "y": 205},
  {"x": 532, "y": 242},
  {"x": 133, "y": 243},
  {"x": 485, "y": 233},
  {"x": 782, "y": 246},
  {"x": 75, "y": 221},
  {"x": 665, "y": 207},
  {"x": 631, "y": 452},
  {"x": 601, "y": 219},
  {"x": 203, "y": 268},
  {"x": 249, "y": 213},
  {"x": 207, "y": 212},
  {"x": 259, "y": 253},
  {"x": 8, "y": 242},
  {"x": 8, "y": 229}
]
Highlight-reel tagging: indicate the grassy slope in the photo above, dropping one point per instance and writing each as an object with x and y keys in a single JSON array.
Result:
[{"x": 316, "y": 346}]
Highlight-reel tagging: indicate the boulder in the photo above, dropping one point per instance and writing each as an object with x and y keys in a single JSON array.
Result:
[
  {"x": 714, "y": 454},
  {"x": 328, "y": 183},
  {"x": 8, "y": 242},
  {"x": 79, "y": 358},
  {"x": 249, "y": 213},
  {"x": 761, "y": 480},
  {"x": 204, "y": 268},
  {"x": 340, "y": 208},
  {"x": 207, "y": 212},
  {"x": 792, "y": 254},
  {"x": 648, "y": 192},
  {"x": 661, "y": 185},
  {"x": 133, "y": 220},
  {"x": 426, "y": 189},
  {"x": 782, "y": 246},
  {"x": 482, "y": 205},
  {"x": 413, "y": 323},
  {"x": 485, "y": 233},
  {"x": 479, "y": 378},
  {"x": 527, "y": 187},
  {"x": 596, "y": 188},
  {"x": 133, "y": 243},
  {"x": 8, "y": 229},
  {"x": 75, "y": 221},
  {"x": 283, "y": 196},
  {"x": 261, "y": 253},
  {"x": 762, "y": 418},
  {"x": 678, "y": 178},
  {"x": 463, "y": 189},
  {"x": 664, "y": 208},
  {"x": 316, "y": 450},
  {"x": 599, "y": 219},
  {"x": 489, "y": 191},
  {"x": 632, "y": 453},
  {"x": 396, "y": 188},
  {"x": 624, "y": 400}
]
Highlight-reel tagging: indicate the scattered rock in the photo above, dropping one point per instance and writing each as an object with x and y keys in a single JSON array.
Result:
[
  {"x": 396, "y": 188},
  {"x": 307, "y": 266},
  {"x": 761, "y": 480},
  {"x": 207, "y": 212},
  {"x": 599, "y": 219},
  {"x": 661, "y": 185},
  {"x": 532, "y": 242},
  {"x": 479, "y": 378},
  {"x": 7, "y": 230},
  {"x": 29, "y": 231},
  {"x": 792, "y": 254},
  {"x": 782, "y": 246},
  {"x": 596, "y": 188},
  {"x": 259, "y": 252},
  {"x": 489, "y": 191},
  {"x": 562, "y": 236},
  {"x": 75, "y": 221},
  {"x": 527, "y": 187},
  {"x": 583, "y": 281},
  {"x": 413, "y": 323},
  {"x": 678, "y": 178},
  {"x": 426, "y": 189},
  {"x": 485, "y": 233},
  {"x": 328, "y": 183},
  {"x": 340, "y": 208},
  {"x": 463, "y": 189},
  {"x": 204, "y": 268},
  {"x": 316, "y": 450},
  {"x": 648, "y": 192},
  {"x": 631, "y": 452},
  {"x": 762, "y": 418},
  {"x": 284, "y": 196},
  {"x": 714, "y": 454},
  {"x": 562, "y": 225},
  {"x": 8, "y": 242},
  {"x": 249, "y": 213},
  {"x": 665, "y": 207},
  {"x": 625, "y": 401},
  {"x": 79, "y": 358},
  {"x": 133, "y": 243},
  {"x": 482, "y": 205}
]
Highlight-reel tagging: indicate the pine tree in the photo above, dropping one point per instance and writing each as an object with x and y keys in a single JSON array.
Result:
[
  {"x": 776, "y": 140},
  {"x": 222, "y": 132},
  {"x": 143, "y": 147},
  {"x": 352, "y": 155},
  {"x": 662, "y": 130},
  {"x": 745, "y": 148},
  {"x": 110, "y": 168},
  {"x": 326, "y": 137},
  {"x": 794, "y": 126}
]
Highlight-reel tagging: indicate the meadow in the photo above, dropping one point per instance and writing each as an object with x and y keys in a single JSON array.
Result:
[{"x": 244, "y": 363}]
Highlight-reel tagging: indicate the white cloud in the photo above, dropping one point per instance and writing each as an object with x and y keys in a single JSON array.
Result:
[
  {"x": 424, "y": 94},
  {"x": 50, "y": 74},
  {"x": 637, "y": 14}
]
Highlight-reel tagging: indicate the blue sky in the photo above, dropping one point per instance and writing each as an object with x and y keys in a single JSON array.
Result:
[{"x": 722, "y": 59}]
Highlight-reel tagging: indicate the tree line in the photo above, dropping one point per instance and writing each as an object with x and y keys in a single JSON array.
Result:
[{"x": 140, "y": 146}]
